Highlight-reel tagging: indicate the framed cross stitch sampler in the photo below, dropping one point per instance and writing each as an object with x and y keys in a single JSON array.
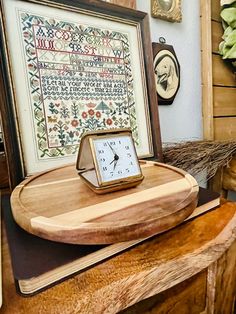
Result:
[{"x": 69, "y": 67}]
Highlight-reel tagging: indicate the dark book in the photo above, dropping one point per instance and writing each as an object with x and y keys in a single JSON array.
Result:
[
  {"x": 207, "y": 200},
  {"x": 61, "y": 261}
]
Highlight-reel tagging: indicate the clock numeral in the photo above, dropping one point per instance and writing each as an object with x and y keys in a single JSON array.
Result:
[
  {"x": 127, "y": 147},
  {"x": 129, "y": 155},
  {"x": 102, "y": 159},
  {"x": 120, "y": 172},
  {"x": 119, "y": 142},
  {"x": 113, "y": 143},
  {"x": 104, "y": 168},
  {"x": 131, "y": 163},
  {"x": 105, "y": 144},
  {"x": 101, "y": 151},
  {"x": 127, "y": 170}
]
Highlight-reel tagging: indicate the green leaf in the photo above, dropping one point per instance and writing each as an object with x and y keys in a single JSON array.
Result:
[{"x": 229, "y": 16}]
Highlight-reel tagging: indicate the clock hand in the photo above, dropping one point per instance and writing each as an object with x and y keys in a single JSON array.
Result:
[
  {"x": 115, "y": 163},
  {"x": 116, "y": 158},
  {"x": 112, "y": 161},
  {"x": 111, "y": 148}
]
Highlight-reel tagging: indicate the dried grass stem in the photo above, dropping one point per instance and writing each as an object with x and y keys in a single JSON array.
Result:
[{"x": 200, "y": 156}]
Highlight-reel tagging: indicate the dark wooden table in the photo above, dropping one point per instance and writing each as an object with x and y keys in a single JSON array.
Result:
[{"x": 189, "y": 269}]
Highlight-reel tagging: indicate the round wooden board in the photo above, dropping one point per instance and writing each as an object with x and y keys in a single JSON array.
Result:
[{"x": 58, "y": 206}]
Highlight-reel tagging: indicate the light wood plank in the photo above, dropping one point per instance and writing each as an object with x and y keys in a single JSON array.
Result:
[
  {"x": 217, "y": 32},
  {"x": 224, "y": 101},
  {"x": 206, "y": 60},
  {"x": 223, "y": 74},
  {"x": 225, "y": 128}
]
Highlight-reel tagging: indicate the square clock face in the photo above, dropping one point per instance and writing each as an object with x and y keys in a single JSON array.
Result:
[{"x": 116, "y": 158}]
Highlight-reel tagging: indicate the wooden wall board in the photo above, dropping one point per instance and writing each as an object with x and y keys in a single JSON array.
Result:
[
  {"x": 206, "y": 64},
  {"x": 223, "y": 74},
  {"x": 207, "y": 113},
  {"x": 215, "y": 9},
  {"x": 225, "y": 128},
  {"x": 224, "y": 101},
  {"x": 216, "y": 74},
  {"x": 217, "y": 32}
]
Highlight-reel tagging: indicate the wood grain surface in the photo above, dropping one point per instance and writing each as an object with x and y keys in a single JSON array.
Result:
[
  {"x": 206, "y": 66},
  {"x": 222, "y": 277},
  {"x": 217, "y": 32},
  {"x": 225, "y": 128},
  {"x": 219, "y": 85},
  {"x": 223, "y": 74},
  {"x": 185, "y": 298},
  {"x": 155, "y": 266},
  {"x": 218, "y": 79},
  {"x": 215, "y": 10},
  {"x": 58, "y": 206},
  {"x": 224, "y": 101}
]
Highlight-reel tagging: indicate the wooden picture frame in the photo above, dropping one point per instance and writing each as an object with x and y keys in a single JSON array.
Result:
[
  {"x": 28, "y": 54},
  {"x": 169, "y": 10},
  {"x": 167, "y": 73},
  {"x": 125, "y": 3}
]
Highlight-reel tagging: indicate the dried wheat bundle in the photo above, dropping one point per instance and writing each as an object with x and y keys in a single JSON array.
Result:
[{"x": 199, "y": 156}]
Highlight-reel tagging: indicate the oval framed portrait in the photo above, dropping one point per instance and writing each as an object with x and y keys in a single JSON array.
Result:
[{"x": 167, "y": 73}]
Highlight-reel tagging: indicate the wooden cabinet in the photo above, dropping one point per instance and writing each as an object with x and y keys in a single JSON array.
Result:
[
  {"x": 210, "y": 291},
  {"x": 188, "y": 297}
]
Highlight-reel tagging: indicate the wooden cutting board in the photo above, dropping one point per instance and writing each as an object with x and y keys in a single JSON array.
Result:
[{"x": 58, "y": 206}]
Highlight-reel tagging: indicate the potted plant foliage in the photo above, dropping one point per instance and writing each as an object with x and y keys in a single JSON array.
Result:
[{"x": 227, "y": 47}]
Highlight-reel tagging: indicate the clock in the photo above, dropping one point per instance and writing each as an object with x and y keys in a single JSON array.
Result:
[{"x": 107, "y": 160}]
